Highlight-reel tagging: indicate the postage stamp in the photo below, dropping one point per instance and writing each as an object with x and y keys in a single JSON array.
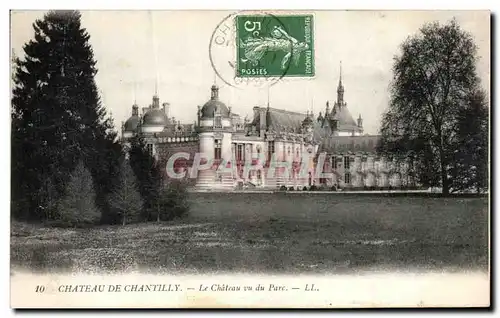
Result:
[
  {"x": 223, "y": 55},
  {"x": 269, "y": 46}
]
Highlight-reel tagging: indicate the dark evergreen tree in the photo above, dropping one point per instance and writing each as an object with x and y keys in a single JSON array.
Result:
[
  {"x": 78, "y": 205},
  {"x": 126, "y": 201},
  {"x": 57, "y": 116},
  {"x": 471, "y": 157}
]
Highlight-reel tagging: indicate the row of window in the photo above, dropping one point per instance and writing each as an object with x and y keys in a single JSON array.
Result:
[{"x": 240, "y": 155}]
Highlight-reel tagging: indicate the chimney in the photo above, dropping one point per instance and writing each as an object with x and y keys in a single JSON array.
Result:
[{"x": 166, "y": 109}]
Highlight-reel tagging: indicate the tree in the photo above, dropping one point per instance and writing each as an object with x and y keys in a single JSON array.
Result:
[
  {"x": 57, "y": 116},
  {"x": 433, "y": 76},
  {"x": 126, "y": 200},
  {"x": 78, "y": 206},
  {"x": 470, "y": 164}
]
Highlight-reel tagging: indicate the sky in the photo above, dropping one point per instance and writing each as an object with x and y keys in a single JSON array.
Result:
[{"x": 137, "y": 51}]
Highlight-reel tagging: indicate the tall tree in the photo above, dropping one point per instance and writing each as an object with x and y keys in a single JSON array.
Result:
[
  {"x": 78, "y": 206},
  {"x": 433, "y": 76},
  {"x": 57, "y": 116},
  {"x": 125, "y": 200}
]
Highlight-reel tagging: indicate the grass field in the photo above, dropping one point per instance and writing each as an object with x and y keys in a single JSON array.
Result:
[{"x": 274, "y": 233}]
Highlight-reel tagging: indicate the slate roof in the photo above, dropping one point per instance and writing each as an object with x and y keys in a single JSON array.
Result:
[
  {"x": 339, "y": 119},
  {"x": 279, "y": 119},
  {"x": 344, "y": 144}
]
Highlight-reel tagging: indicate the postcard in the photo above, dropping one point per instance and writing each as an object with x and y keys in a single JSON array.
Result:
[{"x": 250, "y": 159}]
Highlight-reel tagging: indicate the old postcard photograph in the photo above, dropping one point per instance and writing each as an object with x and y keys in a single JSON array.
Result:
[{"x": 250, "y": 158}]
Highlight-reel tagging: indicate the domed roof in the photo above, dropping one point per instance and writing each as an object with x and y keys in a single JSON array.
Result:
[
  {"x": 131, "y": 123},
  {"x": 214, "y": 105},
  {"x": 155, "y": 117},
  {"x": 207, "y": 111}
]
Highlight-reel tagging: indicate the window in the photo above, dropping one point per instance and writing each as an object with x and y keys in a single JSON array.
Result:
[
  {"x": 270, "y": 150},
  {"x": 239, "y": 153},
  {"x": 338, "y": 162},
  {"x": 149, "y": 148},
  {"x": 218, "y": 149},
  {"x": 347, "y": 178},
  {"x": 347, "y": 162},
  {"x": 218, "y": 122}
]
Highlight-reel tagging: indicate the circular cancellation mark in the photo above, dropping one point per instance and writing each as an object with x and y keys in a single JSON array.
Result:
[{"x": 223, "y": 53}]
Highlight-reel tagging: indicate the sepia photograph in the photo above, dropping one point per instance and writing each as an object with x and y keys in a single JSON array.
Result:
[{"x": 250, "y": 159}]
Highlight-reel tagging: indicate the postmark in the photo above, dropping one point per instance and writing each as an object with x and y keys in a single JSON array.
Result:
[
  {"x": 275, "y": 45},
  {"x": 223, "y": 50}
]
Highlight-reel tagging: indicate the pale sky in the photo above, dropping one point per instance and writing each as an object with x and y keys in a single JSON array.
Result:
[{"x": 125, "y": 43}]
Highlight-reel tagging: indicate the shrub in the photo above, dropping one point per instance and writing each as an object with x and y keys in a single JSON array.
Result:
[
  {"x": 304, "y": 188},
  {"x": 125, "y": 200},
  {"x": 291, "y": 189},
  {"x": 172, "y": 202},
  {"x": 333, "y": 188},
  {"x": 283, "y": 188},
  {"x": 313, "y": 188}
]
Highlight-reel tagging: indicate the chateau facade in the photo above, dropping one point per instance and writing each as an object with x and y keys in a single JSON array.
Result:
[{"x": 269, "y": 150}]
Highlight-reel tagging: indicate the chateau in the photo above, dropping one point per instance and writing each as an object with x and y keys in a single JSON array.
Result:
[{"x": 274, "y": 139}]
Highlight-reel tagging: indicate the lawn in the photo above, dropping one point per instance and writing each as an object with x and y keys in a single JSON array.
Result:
[{"x": 274, "y": 233}]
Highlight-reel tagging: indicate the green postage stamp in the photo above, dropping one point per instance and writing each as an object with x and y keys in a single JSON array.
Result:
[{"x": 275, "y": 46}]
